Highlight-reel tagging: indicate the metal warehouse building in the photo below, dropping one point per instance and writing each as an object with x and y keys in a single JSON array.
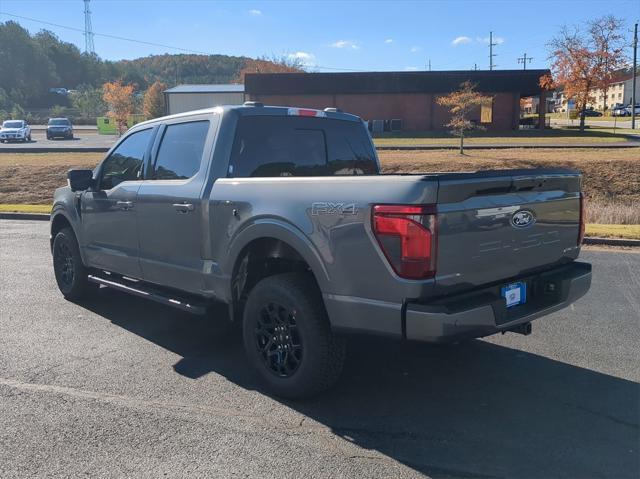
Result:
[
  {"x": 409, "y": 98},
  {"x": 195, "y": 97}
]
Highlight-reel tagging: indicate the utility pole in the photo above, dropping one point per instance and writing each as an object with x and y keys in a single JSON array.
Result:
[
  {"x": 524, "y": 59},
  {"x": 429, "y": 64},
  {"x": 635, "y": 75},
  {"x": 491, "y": 54},
  {"x": 475, "y": 66},
  {"x": 88, "y": 30}
]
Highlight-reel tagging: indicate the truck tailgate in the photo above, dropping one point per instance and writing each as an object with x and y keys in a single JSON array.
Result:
[{"x": 498, "y": 225}]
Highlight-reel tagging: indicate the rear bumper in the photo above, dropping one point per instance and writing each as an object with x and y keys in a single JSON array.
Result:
[
  {"x": 483, "y": 312},
  {"x": 59, "y": 134}
]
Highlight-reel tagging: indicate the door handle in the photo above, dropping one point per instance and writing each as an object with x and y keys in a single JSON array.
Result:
[
  {"x": 125, "y": 205},
  {"x": 184, "y": 207}
]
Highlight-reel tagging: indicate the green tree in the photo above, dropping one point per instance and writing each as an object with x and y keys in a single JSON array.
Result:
[
  {"x": 25, "y": 70},
  {"x": 57, "y": 111},
  {"x": 17, "y": 112},
  {"x": 153, "y": 106},
  {"x": 89, "y": 102}
]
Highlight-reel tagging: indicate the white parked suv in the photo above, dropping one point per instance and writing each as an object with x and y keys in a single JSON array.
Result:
[{"x": 15, "y": 130}]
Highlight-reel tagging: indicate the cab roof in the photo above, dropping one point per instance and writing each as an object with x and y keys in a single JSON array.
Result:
[{"x": 255, "y": 109}]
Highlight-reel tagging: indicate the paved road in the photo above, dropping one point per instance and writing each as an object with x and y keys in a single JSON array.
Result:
[
  {"x": 124, "y": 387},
  {"x": 83, "y": 139}
]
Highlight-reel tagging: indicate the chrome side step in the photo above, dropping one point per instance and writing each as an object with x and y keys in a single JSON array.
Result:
[{"x": 156, "y": 296}]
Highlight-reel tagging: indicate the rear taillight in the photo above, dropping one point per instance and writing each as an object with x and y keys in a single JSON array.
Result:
[
  {"x": 582, "y": 219},
  {"x": 407, "y": 237}
]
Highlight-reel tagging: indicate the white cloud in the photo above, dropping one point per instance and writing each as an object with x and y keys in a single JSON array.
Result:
[
  {"x": 461, "y": 40},
  {"x": 496, "y": 40},
  {"x": 415, "y": 49},
  {"x": 307, "y": 59},
  {"x": 411, "y": 69},
  {"x": 255, "y": 12},
  {"x": 345, "y": 44},
  {"x": 389, "y": 40}
]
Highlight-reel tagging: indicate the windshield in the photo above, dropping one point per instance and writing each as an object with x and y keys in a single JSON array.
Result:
[
  {"x": 12, "y": 124},
  {"x": 59, "y": 122}
]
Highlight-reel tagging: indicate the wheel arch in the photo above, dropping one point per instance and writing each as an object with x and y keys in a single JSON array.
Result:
[{"x": 267, "y": 248}]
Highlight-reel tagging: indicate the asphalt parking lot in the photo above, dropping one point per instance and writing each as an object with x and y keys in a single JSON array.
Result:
[
  {"x": 124, "y": 387},
  {"x": 82, "y": 139}
]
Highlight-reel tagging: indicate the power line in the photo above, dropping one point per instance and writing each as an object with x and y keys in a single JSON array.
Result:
[
  {"x": 143, "y": 42},
  {"x": 105, "y": 35},
  {"x": 524, "y": 59},
  {"x": 491, "y": 54}
]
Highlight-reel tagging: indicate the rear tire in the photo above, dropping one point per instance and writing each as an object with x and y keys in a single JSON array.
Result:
[
  {"x": 288, "y": 338},
  {"x": 70, "y": 272}
]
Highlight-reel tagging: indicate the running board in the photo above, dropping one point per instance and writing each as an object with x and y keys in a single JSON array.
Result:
[{"x": 149, "y": 294}]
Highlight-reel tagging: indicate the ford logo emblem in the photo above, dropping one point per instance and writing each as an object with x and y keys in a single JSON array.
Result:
[{"x": 522, "y": 219}]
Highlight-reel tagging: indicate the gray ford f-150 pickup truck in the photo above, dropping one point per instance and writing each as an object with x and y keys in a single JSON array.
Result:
[{"x": 282, "y": 213}]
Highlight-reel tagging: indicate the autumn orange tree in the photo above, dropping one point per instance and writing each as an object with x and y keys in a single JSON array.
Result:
[
  {"x": 461, "y": 103},
  {"x": 586, "y": 60},
  {"x": 273, "y": 64},
  {"x": 153, "y": 104},
  {"x": 119, "y": 98}
]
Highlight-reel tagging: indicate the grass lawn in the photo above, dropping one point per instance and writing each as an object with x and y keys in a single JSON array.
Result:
[
  {"x": 611, "y": 176},
  {"x": 596, "y": 230},
  {"x": 565, "y": 135},
  {"x": 613, "y": 231}
]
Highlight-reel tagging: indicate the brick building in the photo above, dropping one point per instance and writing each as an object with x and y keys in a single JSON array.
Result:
[{"x": 406, "y": 96}]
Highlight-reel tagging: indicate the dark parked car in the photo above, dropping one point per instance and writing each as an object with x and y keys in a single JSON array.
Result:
[
  {"x": 59, "y": 128},
  {"x": 283, "y": 214},
  {"x": 591, "y": 112}
]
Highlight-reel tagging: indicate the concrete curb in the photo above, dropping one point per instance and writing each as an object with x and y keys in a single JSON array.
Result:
[
  {"x": 611, "y": 241},
  {"x": 61, "y": 149},
  {"x": 25, "y": 216},
  {"x": 587, "y": 240}
]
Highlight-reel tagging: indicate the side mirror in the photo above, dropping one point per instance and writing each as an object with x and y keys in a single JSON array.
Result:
[{"x": 80, "y": 180}]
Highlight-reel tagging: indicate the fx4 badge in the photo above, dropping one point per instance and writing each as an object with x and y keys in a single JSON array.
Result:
[
  {"x": 522, "y": 219},
  {"x": 328, "y": 208}
]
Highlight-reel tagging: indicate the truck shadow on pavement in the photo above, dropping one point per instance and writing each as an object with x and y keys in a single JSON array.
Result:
[{"x": 469, "y": 410}]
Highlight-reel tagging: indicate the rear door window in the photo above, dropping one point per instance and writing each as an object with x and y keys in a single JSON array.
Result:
[
  {"x": 266, "y": 146},
  {"x": 180, "y": 152}
]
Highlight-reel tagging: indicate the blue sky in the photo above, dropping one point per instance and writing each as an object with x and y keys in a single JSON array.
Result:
[{"x": 327, "y": 36}]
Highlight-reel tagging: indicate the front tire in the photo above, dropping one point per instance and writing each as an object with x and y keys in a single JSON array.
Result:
[
  {"x": 288, "y": 338},
  {"x": 70, "y": 272}
]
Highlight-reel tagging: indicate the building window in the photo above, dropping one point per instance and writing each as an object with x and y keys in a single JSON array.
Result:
[
  {"x": 619, "y": 96},
  {"x": 486, "y": 111}
]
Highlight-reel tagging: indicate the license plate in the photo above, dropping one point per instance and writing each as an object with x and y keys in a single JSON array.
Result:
[{"x": 514, "y": 293}]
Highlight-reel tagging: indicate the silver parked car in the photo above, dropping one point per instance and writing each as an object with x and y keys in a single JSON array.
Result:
[{"x": 15, "y": 130}]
